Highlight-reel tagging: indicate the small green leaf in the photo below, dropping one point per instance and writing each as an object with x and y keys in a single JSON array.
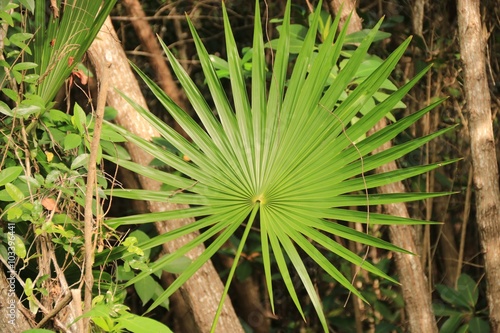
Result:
[
  {"x": 14, "y": 213},
  {"x": 453, "y": 297},
  {"x": 468, "y": 289},
  {"x": 122, "y": 274},
  {"x": 79, "y": 161},
  {"x": 137, "y": 324},
  {"x": 24, "y": 66},
  {"x": 115, "y": 150},
  {"x": 442, "y": 310},
  {"x": 109, "y": 134},
  {"x": 29, "y": 4},
  {"x": 4, "y": 16},
  {"x": 25, "y": 110},
  {"x": 177, "y": 266},
  {"x": 5, "y": 109},
  {"x": 478, "y": 325},
  {"x": 451, "y": 324},
  {"x": 110, "y": 113},
  {"x": 145, "y": 288},
  {"x": 72, "y": 141},
  {"x": 9, "y": 174},
  {"x": 15, "y": 193},
  {"x": 11, "y": 94},
  {"x": 58, "y": 116},
  {"x": 19, "y": 247},
  {"x": 79, "y": 119}
]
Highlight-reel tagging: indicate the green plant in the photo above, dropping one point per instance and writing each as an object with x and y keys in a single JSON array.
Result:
[
  {"x": 110, "y": 315},
  {"x": 460, "y": 306},
  {"x": 284, "y": 161},
  {"x": 44, "y": 157}
]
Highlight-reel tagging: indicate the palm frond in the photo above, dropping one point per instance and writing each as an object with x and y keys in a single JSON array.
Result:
[{"x": 285, "y": 160}]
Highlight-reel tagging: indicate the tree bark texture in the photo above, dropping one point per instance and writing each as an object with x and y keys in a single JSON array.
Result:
[
  {"x": 348, "y": 7},
  {"x": 203, "y": 291},
  {"x": 484, "y": 160},
  {"x": 151, "y": 45},
  {"x": 11, "y": 318},
  {"x": 417, "y": 296}
]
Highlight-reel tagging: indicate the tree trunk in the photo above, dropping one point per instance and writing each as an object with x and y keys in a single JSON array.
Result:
[
  {"x": 151, "y": 45},
  {"x": 417, "y": 296},
  {"x": 416, "y": 293},
  {"x": 484, "y": 160},
  {"x": 11, "y": 317},
  {"x": 203, "y": 291},
  {"x": 347, "y": 6}
]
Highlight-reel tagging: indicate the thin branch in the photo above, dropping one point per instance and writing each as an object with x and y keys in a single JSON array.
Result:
[
  {"x": 89, "y": 194},
  {"x": 65, "y": 301}
]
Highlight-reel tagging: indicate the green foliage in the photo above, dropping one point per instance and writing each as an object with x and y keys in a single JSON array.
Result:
[
  {"x": 137, "y": 260},
  {"x": 460, "y": 306},
  {"x": 289, "y": 161},
  {"x": 45, "y": 157},
  {"x": 62, "y": 40},
  {"x": 110, "y": 315}
]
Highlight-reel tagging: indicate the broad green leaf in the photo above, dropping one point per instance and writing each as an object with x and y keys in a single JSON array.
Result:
[
  {"x": 138, "y": 324},
  {"x": 478, "y": 325},
  {"x": 177, "y": 266},
  {"x": 15, "y": 193},
  {"x": 444, "y": 310},
  {"x": 79, "y": 119},
  {"x": 79, "y": 161},
  {"x": 453, "y": 297},
  {"x": 5, "y": 109},
  {"x": 24, "y": 66},
  {"x": 452, "y": 324},
  {"x": 18, "y": 244},
  {"x": 72, "y": 141},
  {"x": 11, "y": 94},
  {"x": 145, "y": 289},
  {"x": 29, "y": 4},
  {"x": 9, "y": 174},
  {"x": 468, "y": 289}
]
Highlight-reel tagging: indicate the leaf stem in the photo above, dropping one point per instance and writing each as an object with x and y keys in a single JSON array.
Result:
[{"x": 89, "y": 194}]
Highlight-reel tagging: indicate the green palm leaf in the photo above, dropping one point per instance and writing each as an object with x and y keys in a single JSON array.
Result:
[
  {"x": 283, "y": 160},
  {"x": 61, "y": 42}
]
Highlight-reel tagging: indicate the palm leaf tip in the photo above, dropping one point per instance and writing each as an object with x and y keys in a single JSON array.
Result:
[{"x": 285, "y": 153}]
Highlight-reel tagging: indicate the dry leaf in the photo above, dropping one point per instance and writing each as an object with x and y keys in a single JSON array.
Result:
[{"x": 50, "y": 204}]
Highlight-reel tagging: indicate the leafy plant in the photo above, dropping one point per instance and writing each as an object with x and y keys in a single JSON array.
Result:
[
  {"x": 110, "y": 315},
  {"x": 62, "y": 40},
  {"x": 281, "y": 160},
  {"x": 460, "y": 306}
]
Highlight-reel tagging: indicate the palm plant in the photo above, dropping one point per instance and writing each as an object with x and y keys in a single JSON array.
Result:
[
  {"x": 61, "y": 40},
  {"x": 282, "y": 160}
]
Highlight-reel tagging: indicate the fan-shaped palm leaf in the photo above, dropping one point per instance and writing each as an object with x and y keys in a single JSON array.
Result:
[{"x": 282, "y": 160}]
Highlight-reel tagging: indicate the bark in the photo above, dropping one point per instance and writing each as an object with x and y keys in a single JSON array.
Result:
[
  {"x": 11, "y": 317},
  {"x": 418, "y": 14},
  {"x": 416, "y": 293},
  {"x": 484, "y": 160},
  {"x": 347, "y": 7},
  {"x": 151, "y": 45},
  {"x": 203, "y": 291},
  {"x": 417, "y": 296}
]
